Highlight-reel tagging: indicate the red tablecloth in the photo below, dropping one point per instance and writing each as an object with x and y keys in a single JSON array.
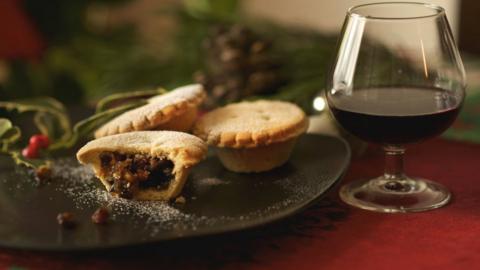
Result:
[{"x": 329, "y": 235}]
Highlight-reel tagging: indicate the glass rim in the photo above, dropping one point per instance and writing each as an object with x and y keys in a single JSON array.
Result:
[{"x": 438, "y": 10}]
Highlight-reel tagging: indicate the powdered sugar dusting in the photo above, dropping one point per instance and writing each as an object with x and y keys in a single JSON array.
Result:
[
  {"x": 80, "y": 185},
  {"x": 210, "y": 181},
  {"x": 78, "y": 182}
]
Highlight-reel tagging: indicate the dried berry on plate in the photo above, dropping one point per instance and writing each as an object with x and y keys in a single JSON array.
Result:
[
  {"x": 66, "y": 220},
  {"x": 100, "y": 216},
  {"x": 43, "y": 173},
  {"x": 180, "y": 200}
]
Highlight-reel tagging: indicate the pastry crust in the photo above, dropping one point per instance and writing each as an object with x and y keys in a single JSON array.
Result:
[
  {"x": 183, "y": 149},
  {"x": 258, "y": 159},
  {"x": 159, "y": 111},
  {"x": 251, "y": 124}
]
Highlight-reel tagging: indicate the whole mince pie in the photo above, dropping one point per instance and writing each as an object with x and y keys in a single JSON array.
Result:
[
  {"x": 253, "y": 136},
  {"x": 175, "y": 110},
  {"x": 144, "y": 165}
]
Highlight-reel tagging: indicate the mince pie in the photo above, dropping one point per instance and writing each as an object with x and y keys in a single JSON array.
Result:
[
  {"x": 175, "y": 110},
  {"x": 144, "y": 165},
  {"x": 253, "y": 136}
]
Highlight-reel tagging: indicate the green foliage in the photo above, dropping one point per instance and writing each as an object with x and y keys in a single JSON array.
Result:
[
  {"x": 114, "y": 99},
  {"x": 86, "y": 127},
  {"x": 50, "y": 116},
  {"x": 80, "y": 65},
  {"x": 19, "y": 159},
  {"x": 212, "y": 9},
  {"x": 9, "y": 134},
  {"x": 306, "y": 57},
  {"x": 59, "y": 20},
  {"x": 51, "y": 119},
  {"x": 108, "y": 108}
]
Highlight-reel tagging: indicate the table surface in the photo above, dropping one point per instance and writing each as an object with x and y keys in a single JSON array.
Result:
[{"x": 328, "y": 235}]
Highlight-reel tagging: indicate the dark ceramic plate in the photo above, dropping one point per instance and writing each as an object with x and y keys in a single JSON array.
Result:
[{"x": 217, "y": 201}]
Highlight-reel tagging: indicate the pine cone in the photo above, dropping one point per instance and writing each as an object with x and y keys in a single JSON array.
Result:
[{"x": 239, "y": 63}]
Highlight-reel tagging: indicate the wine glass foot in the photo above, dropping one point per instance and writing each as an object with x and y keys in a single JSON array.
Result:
[{"x": 395, "y": 196}]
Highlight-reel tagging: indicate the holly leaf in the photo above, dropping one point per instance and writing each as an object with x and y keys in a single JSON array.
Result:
[
  {"x": 19, "y": 159},
  {"x": 5, "y": 125},
  {"x": 50, "y": 117},
  {"x": 9, "y": 134},
  {"x": 50, "y": 125},
  {"x": 111, "y": 101}
]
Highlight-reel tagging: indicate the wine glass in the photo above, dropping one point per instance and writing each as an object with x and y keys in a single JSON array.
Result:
[{"x": 398, "y": 78}]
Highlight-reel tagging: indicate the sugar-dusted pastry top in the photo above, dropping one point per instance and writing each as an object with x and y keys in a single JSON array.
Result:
[
  {"x": 183, "y": 149},
  {"x": 159, "y": 109},
  {"x": 250, "y": 124}
]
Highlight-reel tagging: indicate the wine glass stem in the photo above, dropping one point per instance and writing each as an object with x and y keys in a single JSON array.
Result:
[{"x": 394, "y": 162}]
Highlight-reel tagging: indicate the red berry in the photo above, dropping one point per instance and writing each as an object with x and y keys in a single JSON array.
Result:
[
  {"x": 100, "y": 216},
  {"x": 30, "y": 152},
  {"x": 39, "y": 141},
  {"x": 67, "y": 220}
]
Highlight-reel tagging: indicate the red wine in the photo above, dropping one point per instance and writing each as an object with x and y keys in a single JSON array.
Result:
[{"x": 395, "y": 115}]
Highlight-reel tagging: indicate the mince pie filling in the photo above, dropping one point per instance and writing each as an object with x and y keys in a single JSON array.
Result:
[{"x": 127, "y": 173}]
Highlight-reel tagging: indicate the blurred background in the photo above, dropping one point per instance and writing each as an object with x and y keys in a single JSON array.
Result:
[
  {"x": 79, "y": 51},
  {"x": 326, "y": 16}
]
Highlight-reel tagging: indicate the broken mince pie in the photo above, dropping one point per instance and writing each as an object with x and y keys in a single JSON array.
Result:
[{"x": 144, "y": 165}]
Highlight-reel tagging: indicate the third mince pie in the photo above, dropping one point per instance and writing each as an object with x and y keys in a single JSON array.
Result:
[
  {"x": 144, "y": 165},
  {"x": 253, "y": 136},
  {"x": 175, "y": 110}
]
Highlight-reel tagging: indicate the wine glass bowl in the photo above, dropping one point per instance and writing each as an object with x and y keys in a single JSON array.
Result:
[{"x": 398, "y": 78}]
